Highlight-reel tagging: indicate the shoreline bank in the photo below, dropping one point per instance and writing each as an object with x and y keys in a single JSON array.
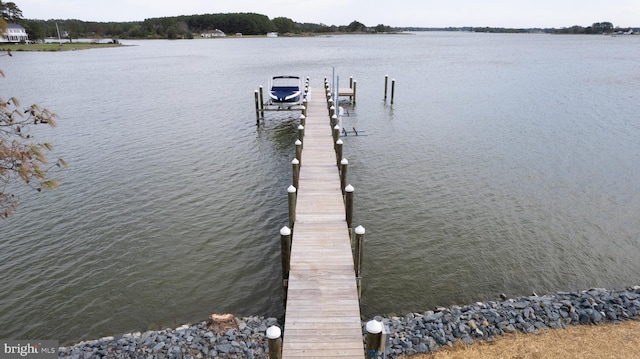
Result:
[{"x": 414, "y": 333}]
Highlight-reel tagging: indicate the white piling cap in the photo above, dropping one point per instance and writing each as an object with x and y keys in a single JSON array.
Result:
[
  {"x": 302, "y": 117},
  {"x": 344, "y": 161},
  {"x": 359, "y": 230},
  {"x": 298, "y": 142},
  {"x": 339, "y": 142},
  {"x": 300, "y": 127},
  {"x": 374, "y": 327},
  {"x": 332, "y": 107},
  {"x": 349, "y": 188},
  {"x": 295, "y": 161},
  {"x": 334, "y": 116},
  {"x": 273, "y": 332},
  {"x": 292, "y": 189},
  {"x": 336, "y": 127},
  {"x": 285, "y": 231}
]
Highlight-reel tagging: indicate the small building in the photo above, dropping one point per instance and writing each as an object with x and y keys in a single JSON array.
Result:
[
  {"x": 14, "y": 33},
  {"x": 213, "y": 33},
  {"x": 624, "y": 31},
  {"x": 272, "y": 34}
]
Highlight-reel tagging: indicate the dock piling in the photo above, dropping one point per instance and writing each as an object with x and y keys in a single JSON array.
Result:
[
  {"x": 292, "y": 191},
  {"x": 358, "y": 256},
  {"x": 374, "y": 336},
  {"x": 344, "y": 164},
  {"x": 393, "y": 89},
  {"x": 301, "y": 134},
  {"x": 349, "y": 204},
  {"x": 285, "y": 247},
  {"x": 295, "y": 170},
  {"x": 257, "y": 109},
  {"x": 386, "y": 83},
  {"x": 274, "y": 334},
  {"x": 261, "y": 102},
  {"x": 299, "y": 151},
  {"x": 338, "y": 152},
  {"x": 355, "y": 85}
]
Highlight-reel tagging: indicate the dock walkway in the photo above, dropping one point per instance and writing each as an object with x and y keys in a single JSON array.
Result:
[{"x": 322, "y": 318}]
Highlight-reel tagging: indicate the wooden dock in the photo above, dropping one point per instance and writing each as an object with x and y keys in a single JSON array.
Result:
[{"x": 322, "y": 318}]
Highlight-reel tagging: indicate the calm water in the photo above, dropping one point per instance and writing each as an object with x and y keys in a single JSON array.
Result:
[{"x": 508, "y": 163}]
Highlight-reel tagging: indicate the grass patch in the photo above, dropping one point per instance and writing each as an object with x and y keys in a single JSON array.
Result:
[
  {"x": 65, "y": 46},
  {"x": 616, "y": 341}
]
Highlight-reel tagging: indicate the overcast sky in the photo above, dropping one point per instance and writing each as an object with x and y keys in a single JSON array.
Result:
[{"x": 423, "y": 13}]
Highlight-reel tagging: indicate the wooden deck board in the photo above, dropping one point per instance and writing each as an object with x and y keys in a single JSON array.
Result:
[{"x": 323, "y": 312}]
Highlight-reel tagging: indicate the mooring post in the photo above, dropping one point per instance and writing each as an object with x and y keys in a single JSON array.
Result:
[
  {"x": 343, "y": 173},
  {"x": 336, "y": 135},
  {"x": 386, "y": 82},
  {"x": 334, "y": 120},
  {"x": 304, "y": 106},
  {"x": 355, "y": 86},
  {"x": 349, "y": 204},
  {"x": 332, "y": 111},
  {"x": 295, "y": 164},
  {"x": 330, "y": 104},
  {"x": 301, "y": 134},
  {"x": 303, "y": 120},
  {"x": 358, "y": 257},
  {"x": 285, "y": 247},
  {"x": 257, "y": 109},
  {"x": 338, "y": 152},
  {"x": 274, "y": 334},
  {"x": 374, "y": 336},
  {"x": 261, "y": 103},
  {"x": 351, "y": 87},
  {"x": 299, "y": 151},
  {"x": 393, "y": 89},
  {"x": 292, "y": 205}
]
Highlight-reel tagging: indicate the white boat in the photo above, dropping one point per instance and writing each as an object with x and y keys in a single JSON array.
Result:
[{"x": 285, "y": 91}]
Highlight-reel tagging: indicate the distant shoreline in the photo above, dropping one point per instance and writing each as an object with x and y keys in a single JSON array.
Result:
[{"x": 51, "y": 46}]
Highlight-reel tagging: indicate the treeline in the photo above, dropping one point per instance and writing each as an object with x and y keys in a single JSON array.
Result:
[
  {"x": 184, "y": 27},
  {"x": 596, "y": 28}
]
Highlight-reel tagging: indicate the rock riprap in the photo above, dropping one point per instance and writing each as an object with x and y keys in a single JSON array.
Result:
[{"x": 225, "y": 336}]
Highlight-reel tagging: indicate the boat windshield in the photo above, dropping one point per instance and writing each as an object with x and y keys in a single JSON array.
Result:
[{"x": 286, "y": 82}]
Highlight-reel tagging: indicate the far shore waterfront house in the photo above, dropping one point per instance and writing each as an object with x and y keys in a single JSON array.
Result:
[
  {"x": 213, "y": 33},
  {"x": 14, "y": 33}
]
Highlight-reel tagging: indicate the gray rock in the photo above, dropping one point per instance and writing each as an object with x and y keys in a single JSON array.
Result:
[
  {"x": 158, "y": 347},
  {"x": 422, "y": 348}
]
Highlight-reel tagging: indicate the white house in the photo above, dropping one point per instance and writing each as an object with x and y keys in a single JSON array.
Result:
[
  {"x": 14, "y": 33},
  {"x": 213, "y": 33}
]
